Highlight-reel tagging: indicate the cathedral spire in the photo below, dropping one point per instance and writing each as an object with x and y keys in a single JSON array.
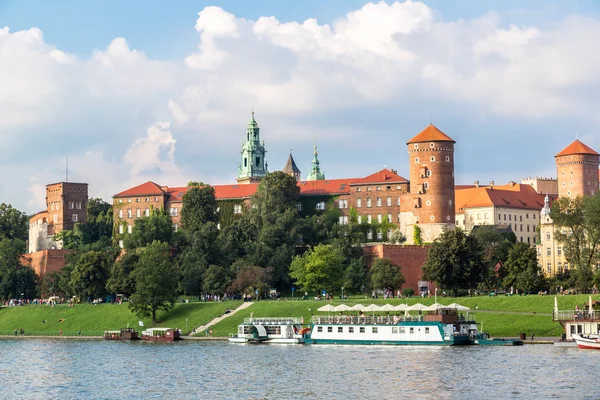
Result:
[
  {"x": 253, "y": 167},
  {"x": 315, "y": 172}
]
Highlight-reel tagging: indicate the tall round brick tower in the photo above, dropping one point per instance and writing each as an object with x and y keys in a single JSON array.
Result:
[
  {"x": 431, "y": 199},
  {"x": 577, "y": 168}
]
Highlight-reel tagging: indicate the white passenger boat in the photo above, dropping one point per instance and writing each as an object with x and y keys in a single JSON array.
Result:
[
  {"x": 269, "y": 330},
  {"x": 435, "y": 325},
  {"x": 587, "y": 342}
]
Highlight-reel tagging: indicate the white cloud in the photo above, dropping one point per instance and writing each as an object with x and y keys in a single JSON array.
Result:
[{"x": 303, "y": 78}]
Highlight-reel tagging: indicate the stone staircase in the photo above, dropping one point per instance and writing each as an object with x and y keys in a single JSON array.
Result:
[{"x": 215, "y": 321}]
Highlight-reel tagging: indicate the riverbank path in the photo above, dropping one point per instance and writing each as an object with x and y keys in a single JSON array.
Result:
[{"x": 215, "y": 321}]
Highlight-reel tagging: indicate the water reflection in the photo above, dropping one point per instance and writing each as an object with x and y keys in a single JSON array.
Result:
[{"x": 188, "y": 370}]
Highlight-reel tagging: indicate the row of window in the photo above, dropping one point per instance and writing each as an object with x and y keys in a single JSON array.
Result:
[
  {"x": 55, "y": 205},
  {"x": 396, "y": 330},
  {"x": 138, "y": 213},
  {"x": 378, "y": 188},
  {"x": 74, "y": 218},
  {"x": 138, "y": 200},
  {"x": 378, "y": 202},
  {"x": 510, "y": 217},
  {"x": 431, "y": 159},
  {"x": 130, "y": 228}
]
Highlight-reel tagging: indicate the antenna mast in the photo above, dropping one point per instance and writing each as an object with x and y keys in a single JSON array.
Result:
[{"x": 67, "y": 169}]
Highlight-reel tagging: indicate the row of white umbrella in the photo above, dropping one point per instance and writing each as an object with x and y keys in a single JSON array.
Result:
[{"x": 389, "y": 307}]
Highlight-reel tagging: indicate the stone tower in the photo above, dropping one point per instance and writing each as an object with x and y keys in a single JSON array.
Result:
[
  {"x": 430, "y": 203},
  {"x": 577, "y": 168},
  {"x": 253, "y": 166},
  {"x": 315, "y": 172},
  {"x": 292, "y": 169}
]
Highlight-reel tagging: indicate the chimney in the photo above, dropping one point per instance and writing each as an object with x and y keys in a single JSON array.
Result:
[
  {"x": 491, "y": 184},
  {"x": 512, "y": 183},
  {"x": 476, "y": 183},
  {"x": 395, "y": 171}
]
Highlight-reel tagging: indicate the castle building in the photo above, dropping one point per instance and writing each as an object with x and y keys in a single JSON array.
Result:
[
  {"x": 577, "y": 168},
  {"x": 292, "y": 169},
  {"x": 315, "y": 171},
  {"x": 513, "y": 205},
  {"x": 254, "y": 165},
  {"x": 430, "y": 204},
  {"x": 66, "y": 205},
  {"x": 577, "y": 171}
]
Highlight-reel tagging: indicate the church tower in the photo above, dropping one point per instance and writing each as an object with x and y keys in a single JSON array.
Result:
[
  {"x": 315, "y": 172},
  {"x": 430, "y": 204},
  {"x": 577, "y": 167},
  {"x": 292, "y": 169},
  {"x": 253, "y": 166}
]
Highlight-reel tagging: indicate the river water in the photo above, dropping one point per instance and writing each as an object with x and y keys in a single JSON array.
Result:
[{"x": 72, "y": 369}]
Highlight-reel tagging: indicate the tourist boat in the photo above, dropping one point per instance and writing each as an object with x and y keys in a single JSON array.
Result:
[
  {"x": 269, "y": 330},
  {"x": 435, "y": 325},
  {"x": 581, "y": 322},
  {"x": 587, "y": 342},
  {"x": 123, "y": 334},
  {"x": 161, "y": 334}
]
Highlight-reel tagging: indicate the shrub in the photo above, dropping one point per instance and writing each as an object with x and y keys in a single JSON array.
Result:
[{"x": 408, "y": 292}]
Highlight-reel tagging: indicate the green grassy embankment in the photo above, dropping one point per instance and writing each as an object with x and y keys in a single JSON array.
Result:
[
  {"x": 501, "y": 316},
  {"x": 92, "y": 320}
]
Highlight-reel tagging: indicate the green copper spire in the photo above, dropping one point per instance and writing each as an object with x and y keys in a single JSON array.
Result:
[
  {"x": 253, "y": 166},
  {"x": 315, "y": 172}
]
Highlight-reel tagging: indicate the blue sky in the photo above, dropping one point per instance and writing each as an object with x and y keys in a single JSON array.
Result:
[{"x": 138, "y": 90}]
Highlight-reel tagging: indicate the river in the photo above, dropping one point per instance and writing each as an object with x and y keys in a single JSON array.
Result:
[{"x": 73, "y": 369}]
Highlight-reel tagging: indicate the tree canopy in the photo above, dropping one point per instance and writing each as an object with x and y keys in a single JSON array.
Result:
[
  {"x": 319, "y": 268},
  {"x": 14, "y": 224},
  {"x": 385, "y": 275},
  {"x": 577, "y": 227},
  {"x": 454, "y": 261},
  {"x": 156, "y": 227},
  {"x": 89, "y": 276},
  {"x": 155, "y": 281},
  {"x": 199, "y": 207},
  {"x": 522, "y": 269}
]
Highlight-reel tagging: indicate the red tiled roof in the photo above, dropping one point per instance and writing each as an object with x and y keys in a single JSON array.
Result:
[
  {"x": 222, "y": 192},
  {"x": 510, "y": 196},
  {"x": 577, "y": 147},
  {"x": 431, "y": 134},
  {"x": 384, "y": 176},
  {"x": 328, "y": 186},
  {"x": 148, "y": 188}
]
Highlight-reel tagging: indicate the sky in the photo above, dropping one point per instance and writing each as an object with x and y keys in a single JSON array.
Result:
[{"x": 145, "y": 90}]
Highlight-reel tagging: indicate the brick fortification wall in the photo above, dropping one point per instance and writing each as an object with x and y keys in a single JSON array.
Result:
[
  {"x": 45, "y": 261},
  {"x": 410, "y": 258}
]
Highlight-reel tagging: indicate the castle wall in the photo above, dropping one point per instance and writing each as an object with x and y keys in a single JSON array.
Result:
[{"x": 410, "y": 258}]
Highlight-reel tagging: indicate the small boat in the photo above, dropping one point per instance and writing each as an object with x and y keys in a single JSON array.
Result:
[
  {"x": 123, "y": 334},
  {"x": 587, "y": 342},
  {"x": 161, "y": 334},
  {"x": 269, "y": 330},
  {"x": 483, "y": 339}
]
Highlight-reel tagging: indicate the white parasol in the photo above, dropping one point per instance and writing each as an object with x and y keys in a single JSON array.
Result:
[
  {"x": 458, "y": 307},
  {"x": 387, "y": 307},
  {"x": 417, "y": 307},
  {"x": 401, "y": 307},
  {"x": 342, "y": 307},
  {"x": 435, "y": 307},
  {"x": 358, "y": 307},
  {"x": 326, "y": 308}
]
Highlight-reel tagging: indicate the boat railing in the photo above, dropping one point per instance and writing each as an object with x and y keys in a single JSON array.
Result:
[
  {"x": 274, "y": 321},
  {"x": 362, "y": 320},
  {"x": 573, "y": 315}
]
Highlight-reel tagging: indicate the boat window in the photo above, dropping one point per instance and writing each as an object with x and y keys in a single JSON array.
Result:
[
  {"x": 374, "y": 330},
  {"x": 320, "y": 329},
  {"x": 340, "y": 329},
  {"x": 351, "y": 329},
  {"x": 330, "y": 329},
  {"x": 402, "y": 330},
  {"x": 394, "y": 329},
  {"x": 427, "y": 330},
  {"x": 362, "y": 329},
  {"x": 412, "y": 330}
]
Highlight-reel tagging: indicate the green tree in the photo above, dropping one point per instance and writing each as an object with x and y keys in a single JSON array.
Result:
[
  {"x": 577, "y": 227},
  {"x": 99, "y": 222},
  {"x": 523, "y": 271},
  {"x": 276, "y": 193},
  {"x": 496, "y": 246},
  {"x": 454, "y": 261},
  {"x": 384, "y": 274},
  {"x": 417, "y": 238},
  {"x": 356, "y": 276},
  {"x": 156, "y": 227},
  {"x": 155, "y": 281},
  {"x": 199, "y": 207},
  {"x": 251, "y": 278},
  {"x": 14, "y": 277},
  {"x": 14, "y": 224},
  {"x": 89, "y": 276},
  {"x": 122, "y": 277},
  {"x": 321, "y": 267},
  {"x": 201, "y": 250},
  {"x": 215, "y": 280}
]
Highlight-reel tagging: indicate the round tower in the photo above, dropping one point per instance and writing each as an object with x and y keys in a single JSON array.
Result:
[
  {"x": 577, "y": 168},
  {"x": 431, "y": 158}
]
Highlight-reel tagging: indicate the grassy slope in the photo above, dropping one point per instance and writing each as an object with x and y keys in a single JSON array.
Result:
[
  {"x": 501, "y": 316},
  {"x": 93, "y": 320}
]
